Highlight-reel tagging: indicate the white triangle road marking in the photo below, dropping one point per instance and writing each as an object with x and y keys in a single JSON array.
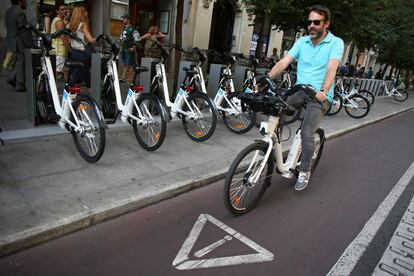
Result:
[{"x": 182, "y": 260}]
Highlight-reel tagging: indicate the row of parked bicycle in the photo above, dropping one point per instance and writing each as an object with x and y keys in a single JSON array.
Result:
[{"x": 148, "y": 113}]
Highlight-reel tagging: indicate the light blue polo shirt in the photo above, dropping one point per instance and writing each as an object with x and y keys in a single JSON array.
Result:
[{"x": 313, "y": 61}]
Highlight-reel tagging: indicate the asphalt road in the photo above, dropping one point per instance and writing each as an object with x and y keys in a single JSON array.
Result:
[{"x": 305, "y": 231}]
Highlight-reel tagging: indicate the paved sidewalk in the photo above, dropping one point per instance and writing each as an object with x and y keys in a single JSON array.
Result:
[{"x": 48, "y": 190}]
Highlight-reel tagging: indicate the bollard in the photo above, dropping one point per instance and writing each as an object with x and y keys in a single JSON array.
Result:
[{"x": 98, "y": 70}]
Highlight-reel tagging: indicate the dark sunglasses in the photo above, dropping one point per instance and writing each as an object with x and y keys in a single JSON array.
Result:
[{"x": 315, "y": 22}]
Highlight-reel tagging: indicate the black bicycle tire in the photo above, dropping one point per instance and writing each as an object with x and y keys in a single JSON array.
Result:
[
  {"x": 401, "y": 91},
  {"x": 233, "y": 171},
  {"x": 367, "y": 109},
  {"x": 369, "y": 95},
  {"x": 102, "y": 133},
  {"x": 338, "y": 97},
  {"x": 226, "y": 122},
  {"x": 212, "y": 107},
  {"x": 147, "y": 96}
]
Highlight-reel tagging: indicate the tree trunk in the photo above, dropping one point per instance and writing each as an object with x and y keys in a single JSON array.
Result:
[
  {"x": 178, "y": 41},
  {"x": 264, "y": 30},
  {"x": 384, "y": 70}
]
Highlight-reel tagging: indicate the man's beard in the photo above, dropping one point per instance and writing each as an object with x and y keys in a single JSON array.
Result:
[{"x": 318, "y": 34}]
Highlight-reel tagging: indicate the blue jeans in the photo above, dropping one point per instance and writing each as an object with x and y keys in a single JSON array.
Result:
[
  {"x": 78, "y": 74},
  {"x": 314, "y": 113}
]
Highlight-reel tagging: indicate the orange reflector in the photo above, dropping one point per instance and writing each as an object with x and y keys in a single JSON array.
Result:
[
  {"x": 83, "y": 107},
  {"x": 349, "y": 109},
  {"x": 238, "y": 126},
  {"x": 237, "y": 199},
  {"x": 200, "y": 133},
  {"x": 157, "y": 136}
]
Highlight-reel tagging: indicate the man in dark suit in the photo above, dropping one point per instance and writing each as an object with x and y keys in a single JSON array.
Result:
[{"x": 18, "y": 38}]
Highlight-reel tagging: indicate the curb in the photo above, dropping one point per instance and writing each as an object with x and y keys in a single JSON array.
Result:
[{"x": 31, "y": 237}]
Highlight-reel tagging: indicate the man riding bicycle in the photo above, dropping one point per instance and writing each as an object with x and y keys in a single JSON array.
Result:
[{"x": 318, "y": 56}]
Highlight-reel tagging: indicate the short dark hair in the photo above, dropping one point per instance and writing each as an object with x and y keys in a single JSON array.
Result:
[
  {"x": 14, "y": 2},
  {"x": 322, "y": 10},
  {"x": 58, "y": 5}
]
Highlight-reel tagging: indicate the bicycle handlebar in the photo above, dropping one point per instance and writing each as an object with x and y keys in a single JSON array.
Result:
[
  {"x": 107, "y": 39},
  {"x": 308, "y": 89},
  {"x": 54, "y": 35}
]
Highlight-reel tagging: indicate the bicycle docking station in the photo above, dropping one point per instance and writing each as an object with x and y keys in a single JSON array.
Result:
[
  {"x": 32, "y": 64},
  {"x": 98, "y": 67},
  {"x": 214, "y": 79}
]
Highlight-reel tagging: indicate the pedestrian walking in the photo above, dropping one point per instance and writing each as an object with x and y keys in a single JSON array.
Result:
[
  {"x": 129, "y": 39},
  {"x": 18, "y": 38}
]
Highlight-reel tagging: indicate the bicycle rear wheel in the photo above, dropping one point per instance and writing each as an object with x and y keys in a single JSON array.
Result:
[
  {"x": 357, "y": 106},
  {"x": 151, "y": 133},
  {"x": 241, "y": 123},
  {"x": 240, "y": 194},
  {"x": 201, "y": 124},
  {"x": 402, "y": 96},
  {"x": 367, "y": 94},
  {"x": 90, "y": 140}
]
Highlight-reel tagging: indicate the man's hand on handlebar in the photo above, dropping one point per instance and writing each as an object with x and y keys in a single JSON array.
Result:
[{"x": 320, "y": 96}]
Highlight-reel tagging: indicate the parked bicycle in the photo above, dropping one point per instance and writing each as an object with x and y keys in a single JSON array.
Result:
[
  {"x": 79, "y": 114},
  {"x": 352, "y": 88},
  {"x": 195, "y": 109},
  {"x": 356, "y": 106},
  {"x": 398, "y": 94},
  {"x": 227, "y": 100},
  {"x": 141, "y": 110},
  {"x": 251, "y": 171}
]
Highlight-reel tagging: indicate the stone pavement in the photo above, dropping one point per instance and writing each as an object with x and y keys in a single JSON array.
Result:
[{"x": 48, "y": 190}]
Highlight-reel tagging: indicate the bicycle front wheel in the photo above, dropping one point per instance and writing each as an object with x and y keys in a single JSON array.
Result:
[
  {"x": 401, "y": 96},
  {"x": 336, "y": 104},
  {"x": 243, "y": 187},
  {"x": 151, "y": 132},
  {"x": 90, "y": 140},
  {"x": 242, "y": 122},
  {"x": 357, "y": 106},
  {"x": 367, "y": 94},
  {"x": 200, "y": 121}
]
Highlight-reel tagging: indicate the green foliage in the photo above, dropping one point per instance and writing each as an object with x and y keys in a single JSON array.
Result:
[{"x": 386, "y": 26}]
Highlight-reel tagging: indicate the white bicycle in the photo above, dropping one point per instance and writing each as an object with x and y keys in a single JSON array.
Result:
[
  {"x": 399, "y": 94},
  {"x": 79, "y": 114},
  {"x": 195, "y": 109},
  {"x": 227, "y": 99},
  {"x": 251, "y": 171},
  {"x": 142, "y": 110}
]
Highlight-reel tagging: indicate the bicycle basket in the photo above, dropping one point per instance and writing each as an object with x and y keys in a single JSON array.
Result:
[{"x": 261, "y": 102}]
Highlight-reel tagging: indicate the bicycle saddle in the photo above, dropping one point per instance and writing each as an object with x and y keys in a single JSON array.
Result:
[
  {"x": 140, "y": 69},
  {"x": 226, "y": 76},
  {"x": 190, "y": 71}
]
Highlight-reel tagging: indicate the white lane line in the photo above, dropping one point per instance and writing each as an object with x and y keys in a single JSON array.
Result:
[{"x": 353, "y": 253}]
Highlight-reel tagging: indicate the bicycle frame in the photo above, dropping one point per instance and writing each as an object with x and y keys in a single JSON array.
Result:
[
  {"x": 275, "y": 146},
  {"x": 180, "y": 99},
  {"x": 127, "y": 108},
  {"x": 222, "y": 94},
  {"x": 65, "y": 108}
]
